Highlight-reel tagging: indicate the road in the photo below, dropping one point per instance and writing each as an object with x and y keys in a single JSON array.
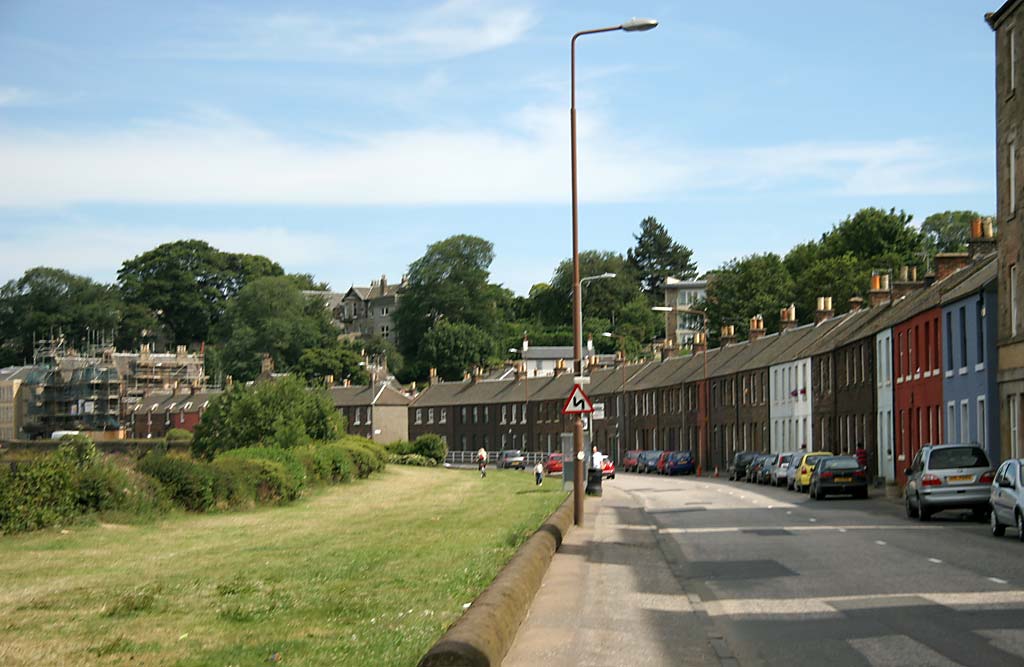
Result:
[{"x": 767, "y": 576}]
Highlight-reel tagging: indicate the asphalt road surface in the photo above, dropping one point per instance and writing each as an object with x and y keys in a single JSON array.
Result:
[{"x": 777, "y": 578}]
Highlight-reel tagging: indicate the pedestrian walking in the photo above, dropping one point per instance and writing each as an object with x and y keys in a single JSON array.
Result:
[
  {"x": 481, "y": 461},
  {"x": 538, "y": 471},
  {"x": 596, "y": 459}
]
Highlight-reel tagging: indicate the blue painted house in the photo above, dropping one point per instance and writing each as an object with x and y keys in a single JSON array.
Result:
[{"x": 969, "y": 365}]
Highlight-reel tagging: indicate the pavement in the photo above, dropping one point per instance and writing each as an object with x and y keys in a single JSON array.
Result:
[{"x": 686, "y": 571}]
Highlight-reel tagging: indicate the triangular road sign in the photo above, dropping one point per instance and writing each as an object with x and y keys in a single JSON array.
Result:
[{"x": 578, "y": 403}]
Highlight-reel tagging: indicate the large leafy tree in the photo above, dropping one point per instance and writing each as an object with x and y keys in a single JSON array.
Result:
[
  {"x": 47, "y": 301},
  {"x": 656, "y": 257},
  {"x": 874, "y": 234},
  {"x": 338, "y": 360},
  {"x": 948, "y": 231},
  {"x": 454, "y": 348},
  {"x": 745, "y": 287},
  {"x": 600, "y": 298},
  {"x": 271, "y": 315},
  {"x": 186, "y": 284},
  {"x": 450, "y": 281}
]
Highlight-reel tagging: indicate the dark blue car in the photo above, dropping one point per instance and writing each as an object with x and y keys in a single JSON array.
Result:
[{"x": 680, "y": 463}]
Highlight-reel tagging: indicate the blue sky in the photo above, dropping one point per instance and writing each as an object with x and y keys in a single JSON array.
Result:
[{"x": 342, "y": 138}]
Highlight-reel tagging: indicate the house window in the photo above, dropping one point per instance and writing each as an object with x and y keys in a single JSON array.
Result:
[
  {"x": 1014, "y": 308},
  {"x": 949, "y": 340},
  {"x": 951, "y": 419},
  {"x": 383, "y": 311},
  {"x": 487, "y": 414},
  {"x": 899, "y": 363},
  {"x": 1013, "y": 178},
  {"x": 965, "y": 422},
  {"x": 444, "y": 416},
  {"x": 462, "y": 414},
  {"x": 504, "y": 414},
  {"x": 963, "y": 340},
  {"x": 523, "y": 413},
  {"x": 979, "y": 330},
  {"x": 981, "y": 422},
  {"x": 430, "y": 415},
  {"x": 476, "y": 415},
  {"x": 385, "y": 331},
  {"x": 927, "y": 346},
  {"x": 514, "y": 407},
  {"x": 359, "y": 416},
  {"x": 1014, "y": 426},
  {"x": 369, "y": 415}
]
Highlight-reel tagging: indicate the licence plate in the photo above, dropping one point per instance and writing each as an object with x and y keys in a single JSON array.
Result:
[
  {"x": 960, "y": 478},
  {"x": 844, "y": 479}
]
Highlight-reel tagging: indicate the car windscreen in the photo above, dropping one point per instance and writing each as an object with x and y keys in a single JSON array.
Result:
[
  {"x": 841, "y": 463},
  {"x": 957, "y": 457},
  {"x": 514, "y": 452}
]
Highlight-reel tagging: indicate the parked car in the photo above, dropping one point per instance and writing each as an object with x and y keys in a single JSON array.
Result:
[
  {"x": 662, "y": 460},
  {"x": 648, "y": 460},
  {"x": 838, "y": 474},
  {"x": 608, "y": 469},
  {"x": 779, "y": 470},
  {"x": 680, "y": 463},
  {"x": 764, "y": 469},
  {"x": 805, "y": 468},
  {"x": 553, "y": 465},
  {"x": 753, "y": 467},
  {"x": 738, "y": 468},
  {"x": 511, "y": 458},
  {"x": 629, "y": 460},
  {"x": 1006, "y": 498},
  {"x": 945, "y": 477}
]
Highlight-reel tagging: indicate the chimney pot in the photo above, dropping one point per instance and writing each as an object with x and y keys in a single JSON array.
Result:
[{"x": 856, "y": 303}]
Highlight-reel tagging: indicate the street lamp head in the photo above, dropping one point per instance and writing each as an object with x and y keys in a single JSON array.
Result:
[
  {"x": 607, "y": 334},
  {"x": 662, "y": 309},
  {"x": 608, "y": 274},
  {"x": 514, "y": 350},
  {"x": 639, "y": 25}
]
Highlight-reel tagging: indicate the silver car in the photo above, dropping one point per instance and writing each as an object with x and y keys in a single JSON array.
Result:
[
  {"x": 945, "y": 477},
  {"x": 779, "y": 470},
  {"x": 1007, "y": 498}
]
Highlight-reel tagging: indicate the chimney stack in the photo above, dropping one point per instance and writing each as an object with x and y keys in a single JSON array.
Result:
[
  {"x": 907, "y": 283},
  {"x": 433, "y": 377},
  {"x": 757, "y": 330},
  {"x": 329, "y": 380},
  {"x": 700, "y": 342},
  {"x": 620, "y": 358},
  {"x": 267, "y": 365},
  {"x": 559, "y": 367},
  {"x": 787, "y": 318},
  {"x": 824, "y": 310},
  {"x": 856, "y": 303},
  {"x": 879, "y": 292},
  {"x": 346, "y": 382},
  {"x": 728, "y": 335},
  {"x": 982, "y": 241},
  {"x": 948, "y": 263}
]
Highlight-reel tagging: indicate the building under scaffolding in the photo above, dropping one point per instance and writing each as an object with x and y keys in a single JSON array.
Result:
[{"x": 95, "y": 389}]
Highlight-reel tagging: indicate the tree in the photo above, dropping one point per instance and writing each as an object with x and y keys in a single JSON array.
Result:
[
  {"x": 838, "y": 277},
  {"x": 266, "y": 413},
  {"x": 948, "y": 231},
  {"x": 456, "y": 347},
  {"x": 600, "y": 298},
  {"x": 872, "y": 234},
  {"x": 186, "y": 284},
  {"x": 756, "y": 284},
  {"x": 47, "y": 301},
  {"x": 656, "y": 256},
  {"x": 336, "y": 359},
  {"x": 270, "y": 315},
  {"x": 450, "y": 281}
]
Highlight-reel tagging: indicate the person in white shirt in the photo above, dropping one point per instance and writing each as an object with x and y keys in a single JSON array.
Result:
[
  {"x": 538, "y": 471},
  {"x": 597, "y": 459}
]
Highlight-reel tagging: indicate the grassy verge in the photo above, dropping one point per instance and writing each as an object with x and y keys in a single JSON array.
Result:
[{"x": 370, "y": 573}]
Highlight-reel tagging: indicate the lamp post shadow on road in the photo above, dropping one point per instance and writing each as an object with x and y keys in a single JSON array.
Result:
[{"x": 633, "y": 25}]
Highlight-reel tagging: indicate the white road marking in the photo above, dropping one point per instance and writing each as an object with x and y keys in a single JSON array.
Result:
[
  {"x": 898, "y": 650},
  {"x": 824, "y": 605},
  {"x": 789, "y": 512},
  {"x": 997, "y": 580},
  {"x": 801, "y": 528},
  {"x": 771, "y": 507},
  {"x": 813, "y": 520},
  {"x": 880, "y": 543},
  {"x": 934, "y": 560},
  {"x": 842, "y": 530}
]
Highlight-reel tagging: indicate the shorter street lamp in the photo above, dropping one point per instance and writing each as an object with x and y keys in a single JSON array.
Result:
[{"x": 579, "y": 332}]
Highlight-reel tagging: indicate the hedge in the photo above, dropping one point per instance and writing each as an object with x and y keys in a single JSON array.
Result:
[{"x": 189, "y": 483}]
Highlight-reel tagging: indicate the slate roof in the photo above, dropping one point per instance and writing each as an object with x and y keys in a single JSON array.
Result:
[
  {"x": 12, "y": 373},
  {"x": 987, "y": 273},
  {"x": 362, "y": 395}
]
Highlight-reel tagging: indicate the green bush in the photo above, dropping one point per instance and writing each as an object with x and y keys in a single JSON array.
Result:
[
  {"x": 240, "y": 482},
  {"x": 178, "y": 435},
  {"x": 188, "y": 483},
  {"x": 291, "y": 465},
  {"x": 368, "y": 458},
  {"x": 38, "y": 494},
  {"x": 327, "y": 462},
  {"x": 430, "y": 445},
  {"x": 80, "y": 448},
  {"x": 283, "y": 412},
  {"x": 399, "y": 447},
  {"x": 107, "y": 486},
  {"x": 412, "y": 460}
]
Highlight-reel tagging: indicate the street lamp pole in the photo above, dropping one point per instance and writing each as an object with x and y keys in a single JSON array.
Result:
[
  {"x": 633, "y": 25},
  {"x": 582, "y": 284}
]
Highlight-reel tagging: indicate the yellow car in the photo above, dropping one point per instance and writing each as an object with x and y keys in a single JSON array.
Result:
[{"x": 804, "y": 467}]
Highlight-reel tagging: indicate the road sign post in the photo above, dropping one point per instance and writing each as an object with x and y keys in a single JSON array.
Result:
[{"x": 577, "y": 405}]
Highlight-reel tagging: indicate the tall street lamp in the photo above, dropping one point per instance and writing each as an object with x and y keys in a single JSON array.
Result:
[
  {"x": 583, "y": 281},
  {"x": 632, "y": 25},
  {"x": 702, "y": 444}
]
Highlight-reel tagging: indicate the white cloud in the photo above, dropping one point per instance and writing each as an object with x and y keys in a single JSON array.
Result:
[
  {"x": 11, "y": 96},
  {"x": 451, "y": 29},
  {"x": 221, "y": 159}
]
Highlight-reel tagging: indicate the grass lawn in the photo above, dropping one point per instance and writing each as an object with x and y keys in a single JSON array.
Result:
[{"x": 368, "y": 573}]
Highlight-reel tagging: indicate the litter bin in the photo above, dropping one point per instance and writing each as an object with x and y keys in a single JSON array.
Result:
[{"x": 593, "y": 482}]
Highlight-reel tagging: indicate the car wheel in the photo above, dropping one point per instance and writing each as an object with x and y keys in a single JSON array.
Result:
[
  {"x": 998, "y": 529},
  {"x": 911, "y": 510},
  {"x": 1020, "y": 526},
  {"x": 922, "y": 512}
]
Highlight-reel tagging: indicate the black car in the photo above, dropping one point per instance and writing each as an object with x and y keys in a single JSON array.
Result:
[
  {"x": 738, "y": 469},
  {"x": 838, "y": 475},
  {"x": 648, "y": 460}
]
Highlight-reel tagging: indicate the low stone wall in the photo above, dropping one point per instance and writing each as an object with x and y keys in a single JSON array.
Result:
[{"x": 484, "y": 634}]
